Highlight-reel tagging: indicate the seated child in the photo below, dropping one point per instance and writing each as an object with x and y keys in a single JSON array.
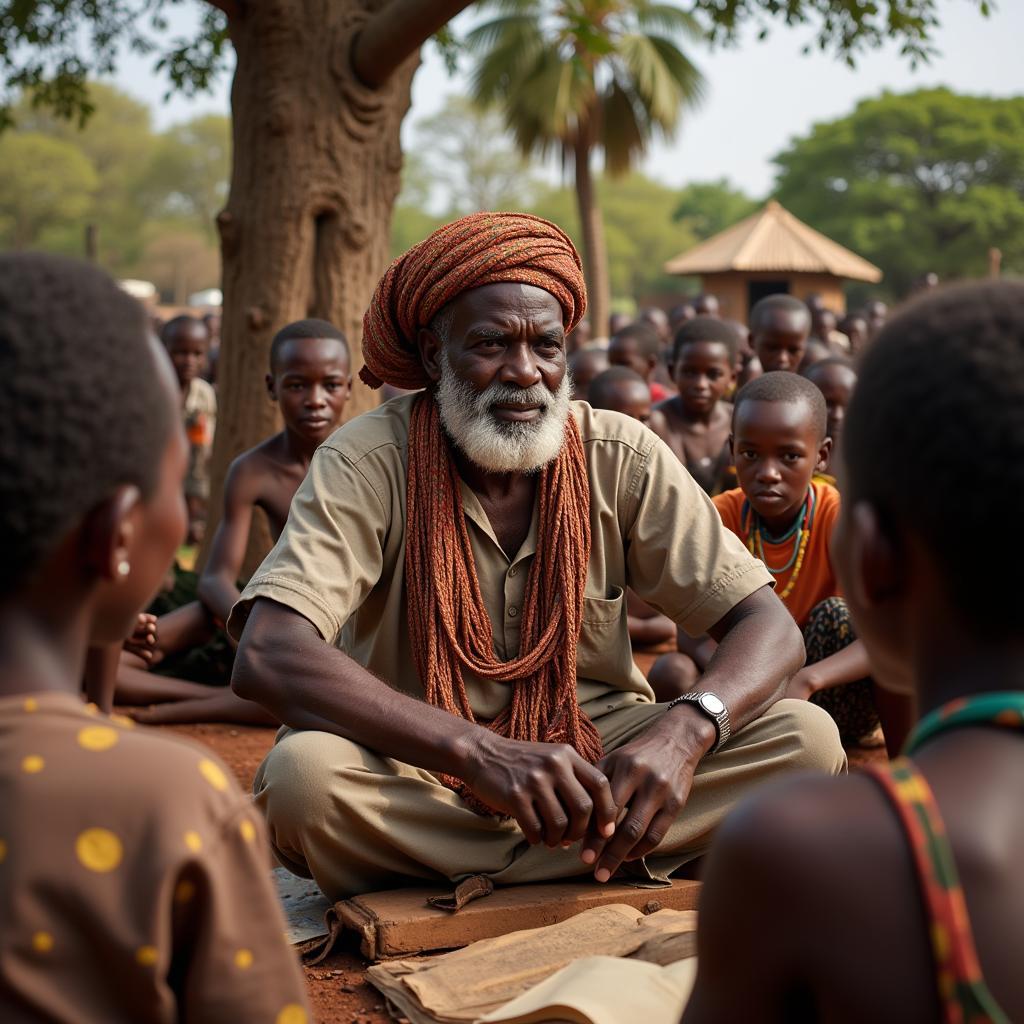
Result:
[
  {"x": 187, "y": 340},
  {"x": 896, "y": 894},
  {"x": 835, "y": 378},
  {"x": 638, "y": 347},
  {"x": 626, "y": 392},
  {"x": 855, "y": 327},
  {"x": 584, "y": 365},
  {"x": 779, "y": 328},
  {"x": 134, "y": 874},
  {"x": 786, "y": 520},
  {"x": 309, "y": 379},
  {"x": 695, "y": 423}
]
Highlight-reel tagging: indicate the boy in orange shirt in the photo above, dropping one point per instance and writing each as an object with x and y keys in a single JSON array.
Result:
[{"x": 786, "y": 518}]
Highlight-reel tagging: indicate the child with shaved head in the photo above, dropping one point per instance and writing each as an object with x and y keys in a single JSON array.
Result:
[{"x": 786, "y": 518}]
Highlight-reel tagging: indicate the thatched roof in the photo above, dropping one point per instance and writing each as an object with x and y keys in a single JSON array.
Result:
[{"x": 773, "y": 240}]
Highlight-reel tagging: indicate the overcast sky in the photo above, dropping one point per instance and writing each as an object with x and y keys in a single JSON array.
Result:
[{"x": 760, "y": 94}]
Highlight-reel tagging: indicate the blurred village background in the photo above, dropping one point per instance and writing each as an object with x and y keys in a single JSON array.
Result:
[{"x": 918, "y": 167}]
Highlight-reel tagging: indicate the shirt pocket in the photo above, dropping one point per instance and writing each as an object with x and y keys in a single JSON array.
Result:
[{"x": 604, "y": 653}]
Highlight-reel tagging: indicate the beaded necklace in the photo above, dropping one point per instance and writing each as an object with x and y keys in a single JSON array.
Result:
[
  {"x": 1002, "y": 707},
  {"x": 757, "y": 533}
]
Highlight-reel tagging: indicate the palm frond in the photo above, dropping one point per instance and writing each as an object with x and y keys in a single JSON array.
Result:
[
  {"x": 504, "y": 64},
  {"x": 623, "y": 129},
  {"x": 667, "y": 20},
  {"x": 660, "y": 76},
  {"x": 499, "y": 32}
]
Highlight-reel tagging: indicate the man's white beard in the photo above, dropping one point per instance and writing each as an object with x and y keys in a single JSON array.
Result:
[{"x": 502, "y": 446}]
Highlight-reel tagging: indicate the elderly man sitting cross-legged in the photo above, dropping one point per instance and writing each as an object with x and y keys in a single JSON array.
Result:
[{"x": 442, "y": 625}]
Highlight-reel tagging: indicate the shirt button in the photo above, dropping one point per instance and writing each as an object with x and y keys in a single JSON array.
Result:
[
  {"x": 513, "y": 571},
  {"x": 513, "y": 612}
]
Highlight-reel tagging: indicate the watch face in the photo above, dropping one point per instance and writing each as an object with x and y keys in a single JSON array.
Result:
[{"x": 711, "y": 704}]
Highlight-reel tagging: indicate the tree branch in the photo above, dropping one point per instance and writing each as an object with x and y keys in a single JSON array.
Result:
[
  {"x": 396, "y": 32},
  {"x": 232, "y": 9}
]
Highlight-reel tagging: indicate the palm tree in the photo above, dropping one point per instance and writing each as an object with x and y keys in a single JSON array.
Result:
[{"x": 574, "y": 76}]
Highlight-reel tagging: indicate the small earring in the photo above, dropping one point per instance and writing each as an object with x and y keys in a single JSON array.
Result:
[{"x": 123, "y": 568}]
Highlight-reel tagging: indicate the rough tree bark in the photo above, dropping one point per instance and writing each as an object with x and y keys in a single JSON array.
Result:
[
  {"x": 315, "y": 172},
  {"x": 595, "y": 252}
]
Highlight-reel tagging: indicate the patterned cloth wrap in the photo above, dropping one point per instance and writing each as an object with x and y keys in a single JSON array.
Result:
[{"x": 481, "y": 249}]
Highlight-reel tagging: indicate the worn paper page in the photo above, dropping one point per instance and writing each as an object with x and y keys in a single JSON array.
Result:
[{"x": 605, "y": 990}]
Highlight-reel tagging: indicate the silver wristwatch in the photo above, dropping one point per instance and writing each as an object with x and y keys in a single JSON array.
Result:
[{"x": 714, "y": 707}]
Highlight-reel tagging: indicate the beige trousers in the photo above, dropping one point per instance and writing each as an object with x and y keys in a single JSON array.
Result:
[{"x": 358, "y": 822}]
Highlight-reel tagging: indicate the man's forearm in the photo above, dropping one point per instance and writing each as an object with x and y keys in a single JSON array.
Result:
[
  {"x": 759, "y": 648},
  {"x": 309, "y": 684}
]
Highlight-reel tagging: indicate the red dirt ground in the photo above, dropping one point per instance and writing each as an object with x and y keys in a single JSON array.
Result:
[{"x": 338, "y": 991}]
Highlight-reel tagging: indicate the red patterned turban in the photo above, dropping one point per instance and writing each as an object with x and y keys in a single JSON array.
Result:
[{"x": 483, "y": 248}]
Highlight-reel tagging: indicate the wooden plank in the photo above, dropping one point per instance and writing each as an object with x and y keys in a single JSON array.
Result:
[{"x": 399, "y": 922}]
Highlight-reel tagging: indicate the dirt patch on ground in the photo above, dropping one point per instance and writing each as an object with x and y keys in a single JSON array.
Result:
[{"x": 338, "y": 991}]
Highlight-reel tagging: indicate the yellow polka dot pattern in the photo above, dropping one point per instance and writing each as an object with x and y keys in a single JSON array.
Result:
[
  {"x": 33, "y": 764},
  {"x": 243, "y": 959},
  {"x": 99, "y": 850},
  {"x": 194, "y": 841},
  {"x": 147, "y": 956},
  {"x": 213, "y": 775},
  {"x": 97, "y": 737},
  {"x": 31, "y": 704},
  {"x": 42, "y": 942},
  {"x": 292, "y": 1014},
  {"x": 246, "y": 827}
]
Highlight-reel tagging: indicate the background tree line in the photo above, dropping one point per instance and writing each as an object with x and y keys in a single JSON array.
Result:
[
  {"x": 144, "y": 201},
  {"x": 924, "y": 181}
]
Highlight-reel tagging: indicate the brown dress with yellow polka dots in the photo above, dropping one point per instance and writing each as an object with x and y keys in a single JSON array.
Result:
[{"x": 134, "y": 878}]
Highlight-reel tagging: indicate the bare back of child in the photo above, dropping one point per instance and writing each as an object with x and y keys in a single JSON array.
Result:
[
  {"x": 695, "y": 423},
  {"x": 309, "y": 379},
  {"x": 917, "y": 862}
]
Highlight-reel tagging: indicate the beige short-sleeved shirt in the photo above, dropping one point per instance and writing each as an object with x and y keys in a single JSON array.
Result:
[
  {"x": 340, "y": 561},
  {"x": 134, "y": 879}
]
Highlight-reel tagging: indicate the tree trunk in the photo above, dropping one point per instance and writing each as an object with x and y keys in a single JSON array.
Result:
[
  {"x": 595, "y": 253},
  {"x": 315, "y": 172}
]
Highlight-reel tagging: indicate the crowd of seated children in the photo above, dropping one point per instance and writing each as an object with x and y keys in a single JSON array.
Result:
[
  {"x": 836, "y": 379},
  {"x": 134, "y": 874},
  {"x": 786, "y": 519},
  {"x": 584, "y": 365},
  {"x": 624, "y": 391},
  {"x": 695, "y": 423},
  {"x": 309, "y": 380},
  {"x": 638, "y": 346},
  {"x": 895, "y": 894}
]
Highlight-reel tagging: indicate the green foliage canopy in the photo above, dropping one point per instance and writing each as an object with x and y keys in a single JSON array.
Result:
[
  {"x": 924, "y": 181},
  {"x": 711, "y": 206}
]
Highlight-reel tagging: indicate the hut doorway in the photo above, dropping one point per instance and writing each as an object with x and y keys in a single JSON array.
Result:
[{"x": 757, "y": 290}]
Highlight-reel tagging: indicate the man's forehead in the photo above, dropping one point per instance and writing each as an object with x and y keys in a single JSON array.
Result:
[{"x": 504, "y": 301}]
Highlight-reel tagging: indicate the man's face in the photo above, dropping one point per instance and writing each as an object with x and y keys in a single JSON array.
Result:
[
  {"x": 780, "y": 342},
  {"x": 503, "y": 389},
  {"x": 311, "y": 384}
]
